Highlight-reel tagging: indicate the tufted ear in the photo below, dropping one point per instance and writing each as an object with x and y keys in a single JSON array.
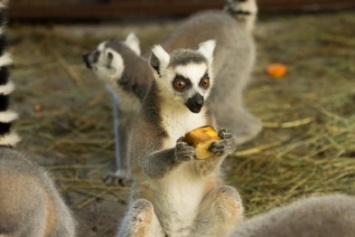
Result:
[
  {"x": 132, "y": 42},
  {"x": 159, "y": 59},
  {"x": 207, "y": 48}
]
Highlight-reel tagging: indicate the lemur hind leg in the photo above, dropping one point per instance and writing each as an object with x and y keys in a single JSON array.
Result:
[
  {"x": 220, "y": 212},
  {"x": 121, "y": 175},
  {"x": 244, "y": 11},
  {"x": 141, "y": 221}
]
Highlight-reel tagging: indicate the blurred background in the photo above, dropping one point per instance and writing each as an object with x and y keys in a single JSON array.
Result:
[
  {"x": 307, "y": 146},
  {"x": 88, "y": 9}
]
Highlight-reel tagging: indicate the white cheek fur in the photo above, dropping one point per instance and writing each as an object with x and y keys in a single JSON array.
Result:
[{"x": 113, "y": 73}]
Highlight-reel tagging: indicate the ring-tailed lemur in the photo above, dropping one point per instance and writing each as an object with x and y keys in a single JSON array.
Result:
[
  {"x": 324, "y": 216},
  {"x": 127, "y": 74},
  {"x": 30, "y": 205},
  {"x": 174, "y": 194}
]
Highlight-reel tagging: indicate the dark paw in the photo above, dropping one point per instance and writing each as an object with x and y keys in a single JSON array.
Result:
[
  {"x": 184, "y": 152},
  {"x": 119, "y": 178},
  {"x": 225, "y": 146}
]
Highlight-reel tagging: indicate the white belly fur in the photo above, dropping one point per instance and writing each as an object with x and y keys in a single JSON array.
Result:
[{"x": 180, "y": 192}]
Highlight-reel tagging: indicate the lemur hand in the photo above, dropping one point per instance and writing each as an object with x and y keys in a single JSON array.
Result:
[
  {"x": 225, "y": 146},
  {"x": 183, "y": 151}
]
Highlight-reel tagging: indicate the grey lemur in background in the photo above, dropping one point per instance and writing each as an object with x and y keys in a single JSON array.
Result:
[
  {"x": 30, "y": 205},
  {"x": 128, "y": 76},
  {"x": 173, "y": 194},
  {"x": 324, "y": 216}
]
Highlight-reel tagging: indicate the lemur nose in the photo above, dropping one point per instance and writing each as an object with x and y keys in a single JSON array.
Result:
[{"x": 198, "y": 100}]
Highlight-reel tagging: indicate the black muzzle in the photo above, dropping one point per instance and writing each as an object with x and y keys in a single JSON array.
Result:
[{"x": 195, "y": 103}]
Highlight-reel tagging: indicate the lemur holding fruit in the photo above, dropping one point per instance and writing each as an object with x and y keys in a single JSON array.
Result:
[
  {"x": 174, "y": 192},
  {"x": 128, "y": 76}
]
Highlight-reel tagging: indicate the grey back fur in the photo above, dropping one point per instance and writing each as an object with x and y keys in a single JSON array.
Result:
[
  {"x": 324, "y": 216},
  {"x": 30, "y": 204}
]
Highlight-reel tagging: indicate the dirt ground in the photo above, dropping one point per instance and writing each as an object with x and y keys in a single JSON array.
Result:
[{"x": 307, "y": 145}]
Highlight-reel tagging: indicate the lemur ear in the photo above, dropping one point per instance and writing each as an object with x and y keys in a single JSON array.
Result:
[
  {"x": 207, "y": 48},
  {"x": 132, "y": 42},
  {"x": 159, "y": 59}
]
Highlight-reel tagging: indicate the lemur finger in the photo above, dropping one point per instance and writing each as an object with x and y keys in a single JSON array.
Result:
[
  {"x": 217, "y": 148},
  {"x": 181, "y": 139},
  {"x": 224, "y": 134}
]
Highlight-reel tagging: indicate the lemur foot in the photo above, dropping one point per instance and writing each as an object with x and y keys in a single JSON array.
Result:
[
  {"x": 183, "y": 151},
  {"x": 244, "y": 11},
  {"x": 225, "y": 146},
  {"x": 119, "y": 178}
]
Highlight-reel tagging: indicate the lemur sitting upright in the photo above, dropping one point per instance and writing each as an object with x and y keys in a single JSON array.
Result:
[
  {"x": 323, "y": 216},
  {"x": 128, "y": 76},
  {"x": 174, "y": 194},
  {"x": 30, "y": 205}
]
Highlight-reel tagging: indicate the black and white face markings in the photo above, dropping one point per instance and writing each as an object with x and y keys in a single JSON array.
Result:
[
  {"x": 106, "y": 61},
  {"x": 185, "y": 74},
  {"x": 193, "y": 89}
]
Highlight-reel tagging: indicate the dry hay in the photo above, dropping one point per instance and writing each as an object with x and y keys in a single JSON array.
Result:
[{"x": 307, "y": 145}]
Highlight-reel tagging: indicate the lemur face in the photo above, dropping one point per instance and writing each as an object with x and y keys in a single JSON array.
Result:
[
  {"x": 185, "y": 75},
  {"x": 107, "y": 62}
]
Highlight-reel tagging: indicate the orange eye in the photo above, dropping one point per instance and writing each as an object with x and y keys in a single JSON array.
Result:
[
  {"x": 179, "y": 85},
  {"x": 205, "y": 82}
]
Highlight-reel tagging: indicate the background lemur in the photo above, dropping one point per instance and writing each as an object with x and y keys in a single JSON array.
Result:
[
  {"x": 173, "y": 194},
  {"x": 324, "y": 216},
  {"x": 129, "y": 78},
  {"x": 30, "y": 205}
]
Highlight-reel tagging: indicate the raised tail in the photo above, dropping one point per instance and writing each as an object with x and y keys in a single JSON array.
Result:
[
  {"x": 7, "y": 136},
  {"x": 244, "y": 11}
]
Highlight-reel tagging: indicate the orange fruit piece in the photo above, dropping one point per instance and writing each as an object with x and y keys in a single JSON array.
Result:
[{"x": 276, "y": 70}]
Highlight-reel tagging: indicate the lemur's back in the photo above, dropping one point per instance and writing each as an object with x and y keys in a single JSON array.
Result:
[
  {"x": 327, "y": 216},
  {"x": 29, "y": 201}
]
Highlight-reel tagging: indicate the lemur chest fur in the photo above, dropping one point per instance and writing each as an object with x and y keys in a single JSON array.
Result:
[
  {"x": 182, "y": 189},
  {"x": 178, "y": 120}
]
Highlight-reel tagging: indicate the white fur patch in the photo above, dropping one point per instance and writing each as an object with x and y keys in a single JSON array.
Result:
[
  {"x": 8, "y": 116},
  {"x": 195, "y": 72},
  {"x": 207, "y": 48},
  {"x": 7, "y": 88},
  {"x": 162, "y": 55},
  {"x": 9, "y": 139},
  {"x": 5, "y": 60},
  {"x": 181, "y": 190},
  {"x": 109, "y": 74},
  {"x": 101, "y": 46},
  {"x": 132, "y": 42}
]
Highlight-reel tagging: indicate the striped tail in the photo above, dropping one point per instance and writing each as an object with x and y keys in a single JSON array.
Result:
[{"x": 7, "y": 137}]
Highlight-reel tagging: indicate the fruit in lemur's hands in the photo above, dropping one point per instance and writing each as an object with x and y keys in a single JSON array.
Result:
[{"x": 201, "y": 139}]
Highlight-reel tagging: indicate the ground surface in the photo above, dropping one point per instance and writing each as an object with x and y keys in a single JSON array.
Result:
[{"x": 307, "y": 145}]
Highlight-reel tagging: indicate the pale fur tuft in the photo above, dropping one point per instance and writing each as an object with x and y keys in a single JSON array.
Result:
[
  {"x": 7, "y": 88},
  {"x": 132, "y": 42},
  {"x": 207, "y": 48},
  {"x": 5, "y": 60},
  {"x": 162, "y": 56},
  {"x": 8, "y": 116},
  {"x": 9, "y": 139}
]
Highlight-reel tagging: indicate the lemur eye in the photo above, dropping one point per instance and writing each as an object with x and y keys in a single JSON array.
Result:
[
  {"x": 179, "y": 85},
  {"x": 205, "y": 82}
]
